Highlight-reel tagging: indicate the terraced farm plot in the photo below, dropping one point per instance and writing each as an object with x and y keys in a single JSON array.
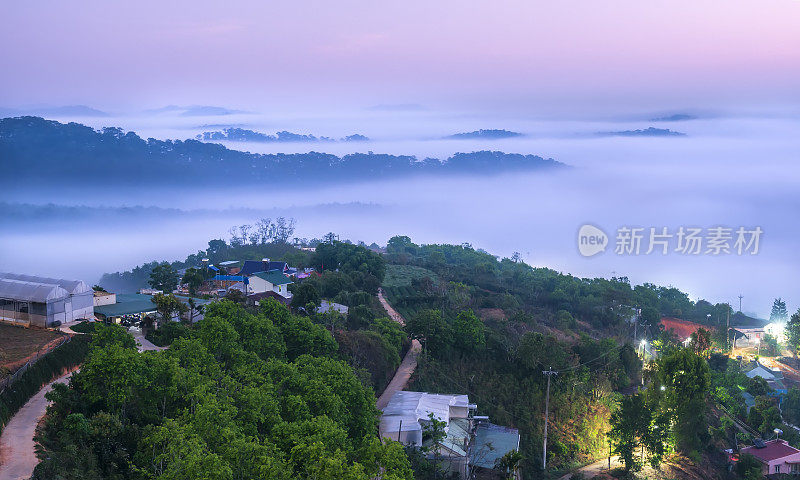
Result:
[
  {"x": 18, "y": 343},
  {"x": 403, "y": 275}
]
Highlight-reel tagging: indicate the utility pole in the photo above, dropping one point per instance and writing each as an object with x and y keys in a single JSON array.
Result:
[
  {"x": 549, "y": 372},
  {"x": 728, "y": 329},
  {"x": 740, "y": 303}
]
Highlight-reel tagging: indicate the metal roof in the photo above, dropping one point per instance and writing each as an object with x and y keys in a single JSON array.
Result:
[
  {"x": 274, "y": 277},
  {"x": 38, "y": 292},
  {"x": 491, "y": 443},
  {"x": 127, "y": 304},
  {"x": 412, "y": 407},
  {"x": 71, "y": 286}
]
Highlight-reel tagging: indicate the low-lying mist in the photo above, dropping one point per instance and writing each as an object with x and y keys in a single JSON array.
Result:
[{"x": 725, "y": 172}]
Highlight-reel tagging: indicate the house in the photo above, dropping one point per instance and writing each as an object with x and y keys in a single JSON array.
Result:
[
  {"x": 776, "y": 456},
  {"x": 273, "y": 281},
  {"x": 761, "y": 371},
  {"x": 471, "y": 445},
  {"x": 43, "y": 301}
]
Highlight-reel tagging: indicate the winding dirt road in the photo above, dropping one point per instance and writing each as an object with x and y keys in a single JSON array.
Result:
[
  {"x": 17, "y": 448},
  {"x": 408, "y": 365}
]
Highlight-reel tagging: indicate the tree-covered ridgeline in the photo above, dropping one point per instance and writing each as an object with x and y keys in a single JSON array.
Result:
[{"x": 47, "y": 150}]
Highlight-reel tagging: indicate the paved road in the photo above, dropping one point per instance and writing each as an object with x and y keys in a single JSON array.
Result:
[
  {"x": 17, "y": 448},
  {"x": 408, "y": 365},
  {"x": 16, "y": 444}
]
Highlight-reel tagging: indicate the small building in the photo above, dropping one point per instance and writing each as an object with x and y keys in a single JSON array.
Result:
[
  {"x": 273, "y": 281},
  {"x": 135, "y": 307},
  {"x": 759, "y": 370},
  {"x": 104, "y": 298},
  {"x": 471, "y": 445},
  {"x": 42, "y": 301},
  {"x": 775, "y": 456}
]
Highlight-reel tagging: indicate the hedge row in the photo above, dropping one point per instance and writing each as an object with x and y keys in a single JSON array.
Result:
[{"x": 42, "y": 372}]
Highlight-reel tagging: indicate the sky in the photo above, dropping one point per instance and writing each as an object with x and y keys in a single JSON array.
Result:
[
  {"x": 407, "y": 74},
  {"x": 581, "y": 55}
]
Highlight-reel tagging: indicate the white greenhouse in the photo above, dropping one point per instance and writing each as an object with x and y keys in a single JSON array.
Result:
[{"x": 40, "y": 301}]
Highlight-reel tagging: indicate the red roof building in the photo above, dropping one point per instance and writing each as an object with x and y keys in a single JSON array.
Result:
[
  {"x": 681, "y": 328},
  {"x": 776, "y": 456}
]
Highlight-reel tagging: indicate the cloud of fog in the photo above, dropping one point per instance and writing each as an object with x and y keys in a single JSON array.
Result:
[{"x": 726, "y": 171}]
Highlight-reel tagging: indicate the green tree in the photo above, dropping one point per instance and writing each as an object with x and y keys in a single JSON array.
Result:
[
  {"x": 432, "y": 330},
  {"x": 192, "y": 279},
  {"x": 168, "y": 305},
  {"x": 629, "y": 425},
  {"x": 687, "y": 379},
  {"x": 468, "y": 332},
  {"x": 304, "y": 294},
  {"x": 749, "y": 467},
  {"x": 792, "y": 332},
  {"x": 164, "y": 278},
  {"x": 779, "y": 313}
]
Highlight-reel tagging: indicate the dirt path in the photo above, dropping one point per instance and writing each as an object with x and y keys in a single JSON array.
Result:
[
  {"x": 595, "y": 468},
  {"x": 17, "y": 448},
  {"x": 408, "y": 365},
  {"x": 16, "y": 444}
]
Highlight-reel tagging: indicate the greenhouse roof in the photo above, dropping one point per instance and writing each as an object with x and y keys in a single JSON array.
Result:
[{"x": 39, "y": 292}]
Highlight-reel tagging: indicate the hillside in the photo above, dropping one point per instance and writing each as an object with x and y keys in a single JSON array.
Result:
[{"x": 49, "y": 151}]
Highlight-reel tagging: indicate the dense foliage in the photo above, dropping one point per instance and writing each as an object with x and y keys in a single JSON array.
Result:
[{"x": 242, "y": 396}]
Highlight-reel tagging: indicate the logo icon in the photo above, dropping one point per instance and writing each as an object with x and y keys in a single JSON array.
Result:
[{"x": 591, "y": 240}]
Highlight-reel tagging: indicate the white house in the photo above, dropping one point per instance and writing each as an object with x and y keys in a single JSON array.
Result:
[
  {"x": 471, "y": 445},
  {"x": 273, "y": 281}
]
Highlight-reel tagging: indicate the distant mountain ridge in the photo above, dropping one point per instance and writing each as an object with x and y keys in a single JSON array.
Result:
[
  {"x": 491, "y": 134},
  {"x": 236, "y": 134},
  {"x": 49, "y": 151},
  {"x": 647, "y": 132}
]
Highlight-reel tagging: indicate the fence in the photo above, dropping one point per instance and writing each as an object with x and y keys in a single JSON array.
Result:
[{"x": 8, "y": 381}]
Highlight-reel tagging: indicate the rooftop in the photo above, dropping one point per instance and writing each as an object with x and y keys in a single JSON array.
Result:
[
  {"x": 127, "y": 304},
  {"x": 31, "y": 291},
  {"x": 771, "y": 451},
  {"x": 491, "y": 443},
  {"x": 274, "y": 277},
  {"x": 71, "y": 286},
  {"x": 411, "y": 407}
]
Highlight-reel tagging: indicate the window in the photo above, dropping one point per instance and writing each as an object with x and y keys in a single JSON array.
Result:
[{"x": 777, "y": 469}]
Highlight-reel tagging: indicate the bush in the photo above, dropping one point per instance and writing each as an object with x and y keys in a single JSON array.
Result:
[{"x": 84, "y": 327}]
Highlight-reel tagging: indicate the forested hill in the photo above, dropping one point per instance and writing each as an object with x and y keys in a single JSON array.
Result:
[{"x": 46, "y": 150}]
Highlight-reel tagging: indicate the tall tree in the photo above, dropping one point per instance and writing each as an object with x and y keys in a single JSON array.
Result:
[
  {"x": 164, "y": 278},
  {"x": 687, "y": 379},
  {"x": 629, "y": 425},
  {"x": 167, "y": 305},
  {"x": 779, "y": 312},
  {"x": 192, "y": 279},
  {"x": 792, "y": 332}
]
